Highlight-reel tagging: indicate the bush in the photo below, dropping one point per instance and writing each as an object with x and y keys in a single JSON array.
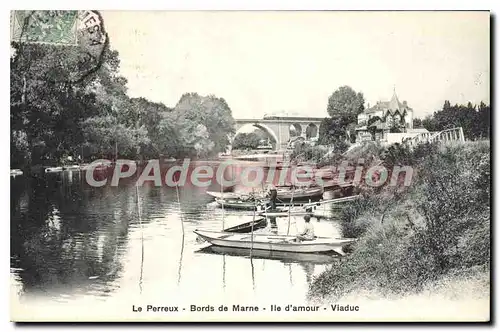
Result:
[
  {"x": 307, "y": 152},
  {"x": 410, "y": 239}
]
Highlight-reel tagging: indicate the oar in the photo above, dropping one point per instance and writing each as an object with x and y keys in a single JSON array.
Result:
[{"x": 253, "y": 222}]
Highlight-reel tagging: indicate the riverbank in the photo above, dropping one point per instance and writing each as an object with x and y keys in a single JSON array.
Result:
[
  {"x": 452, "y": 298},
  {"x": 434, "y": 232}
]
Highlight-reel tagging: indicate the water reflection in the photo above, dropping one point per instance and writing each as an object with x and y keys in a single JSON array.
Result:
[{"x": 69, "y": 241}]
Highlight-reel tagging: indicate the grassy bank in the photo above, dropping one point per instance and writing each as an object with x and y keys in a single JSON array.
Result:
[{"x": 435, "y": 231}]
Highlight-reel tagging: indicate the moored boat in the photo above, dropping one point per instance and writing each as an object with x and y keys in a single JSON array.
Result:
[
  {"x": 15, "y": 172},
  {"x": 223, "y": 195},
  {"x": 274, "y": 242},
  {"x": 284, "y": 193},
  {"x": 247, "y": 226},
  {"x": 235, "y": 196},
  {"x": 53, "y": 169},
  {"x": 71, "y": 167},
  {"x": 299, "y": 193},
  {"x": 239, "y": 204}
]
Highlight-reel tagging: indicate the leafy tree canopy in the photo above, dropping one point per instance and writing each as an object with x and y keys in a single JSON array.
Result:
[{"x": 345, "y": 101}]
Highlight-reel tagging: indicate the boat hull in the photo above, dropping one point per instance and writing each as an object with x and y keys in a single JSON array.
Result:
[
  {"x": 273, "y": 242},
  {"x": 16, "y": 172},
  {"x": 300, "y": 194},
  {"x": 238, "y": 205},
  {"x": 53, "y": 169},
  {"x": 223, "y": 195}
]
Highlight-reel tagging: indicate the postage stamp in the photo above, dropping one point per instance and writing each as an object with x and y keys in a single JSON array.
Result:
[{"x": 50, "y": 26}]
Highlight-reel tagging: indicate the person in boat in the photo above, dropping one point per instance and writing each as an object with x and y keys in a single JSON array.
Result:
[
  {"x": 273, "y": 196},
  {"x": 308, "y": 233}
]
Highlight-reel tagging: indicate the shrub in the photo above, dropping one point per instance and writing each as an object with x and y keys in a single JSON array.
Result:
[{"x": 412, "y": 238}]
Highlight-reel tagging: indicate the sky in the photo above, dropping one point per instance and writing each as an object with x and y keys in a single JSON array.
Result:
[{"x": 268, "y": 62}]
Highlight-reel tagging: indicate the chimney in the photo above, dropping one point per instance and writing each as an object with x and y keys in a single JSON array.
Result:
[{"x": 405, "y": 103}]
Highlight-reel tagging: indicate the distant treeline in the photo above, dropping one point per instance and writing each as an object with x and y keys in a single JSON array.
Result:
[
  {"x": 54, "y": 116},
  {"x": 474, "y": 119}
]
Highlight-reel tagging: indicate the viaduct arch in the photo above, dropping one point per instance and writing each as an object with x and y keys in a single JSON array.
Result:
[{"x": 284, "y": 129}]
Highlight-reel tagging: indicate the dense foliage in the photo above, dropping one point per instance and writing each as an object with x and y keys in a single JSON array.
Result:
[
  {"x": 338, "y": 130},
  {"x": 247, "y": 141},
  {"x": 410, "y": 237},
  {"x": 345, "y": 100},
  {"x": 474, "y": 119}
]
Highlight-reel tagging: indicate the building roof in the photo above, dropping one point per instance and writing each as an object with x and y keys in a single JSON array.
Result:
[{"x": 393, "y": 105}]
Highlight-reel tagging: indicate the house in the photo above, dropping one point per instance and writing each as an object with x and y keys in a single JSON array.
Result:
[{"x": 384, "y": 117}]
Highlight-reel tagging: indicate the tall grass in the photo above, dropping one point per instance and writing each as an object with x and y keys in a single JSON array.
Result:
[{"x": 438, "y": 226}]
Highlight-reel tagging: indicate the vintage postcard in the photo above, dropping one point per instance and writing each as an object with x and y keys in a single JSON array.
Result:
[{"x": 250, "y": 166}]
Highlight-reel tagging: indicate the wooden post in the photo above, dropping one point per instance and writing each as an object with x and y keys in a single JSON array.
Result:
[
  {"x": 142, "y": 233},
  {"x": 222, "y": 200},
  {"x": 289, "y": 212},
  {"x": 180, "y": 212}
]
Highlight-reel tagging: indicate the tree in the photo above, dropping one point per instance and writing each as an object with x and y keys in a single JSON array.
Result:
[
  {"x": 417, "y": 123},
  {"x": 247, "y": 141},
  {"x": 430, "y": 123},
  {"x": 108, "y": 137},
  {"x": 213, "y": 113},
  {"x": 343, "y": 106},
  {"x": 484, "y": 121},
  {"x": 345, "y": 101},
  {"x": 333, "y": 131},
  {"x": 475, "y": 121},
  {"x": 394, "y": 129}
]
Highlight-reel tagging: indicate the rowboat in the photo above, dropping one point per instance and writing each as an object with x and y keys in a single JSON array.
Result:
[
  {"x": 299, "y": 193},
  {"x": 284, "y": 193},
  {"x": 234, "y": 196},
  {"x": 238, "y": 204},
  {"x": 283, "y": 256},
  {"x": 247, "y": 226},
  {"x": 219, "y": 195},
  {"x": 53, "y": 169},
  {"x": 16, "y": 172},
  {"x": 273, "y": 242},
  {"x": 71, "y": 167}
]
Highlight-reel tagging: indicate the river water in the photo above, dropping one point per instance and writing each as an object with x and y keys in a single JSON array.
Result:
[{"x": 73, "y": 244}]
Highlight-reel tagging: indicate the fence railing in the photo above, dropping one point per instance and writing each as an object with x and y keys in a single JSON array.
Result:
[{"x": 448, "y": 135}]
